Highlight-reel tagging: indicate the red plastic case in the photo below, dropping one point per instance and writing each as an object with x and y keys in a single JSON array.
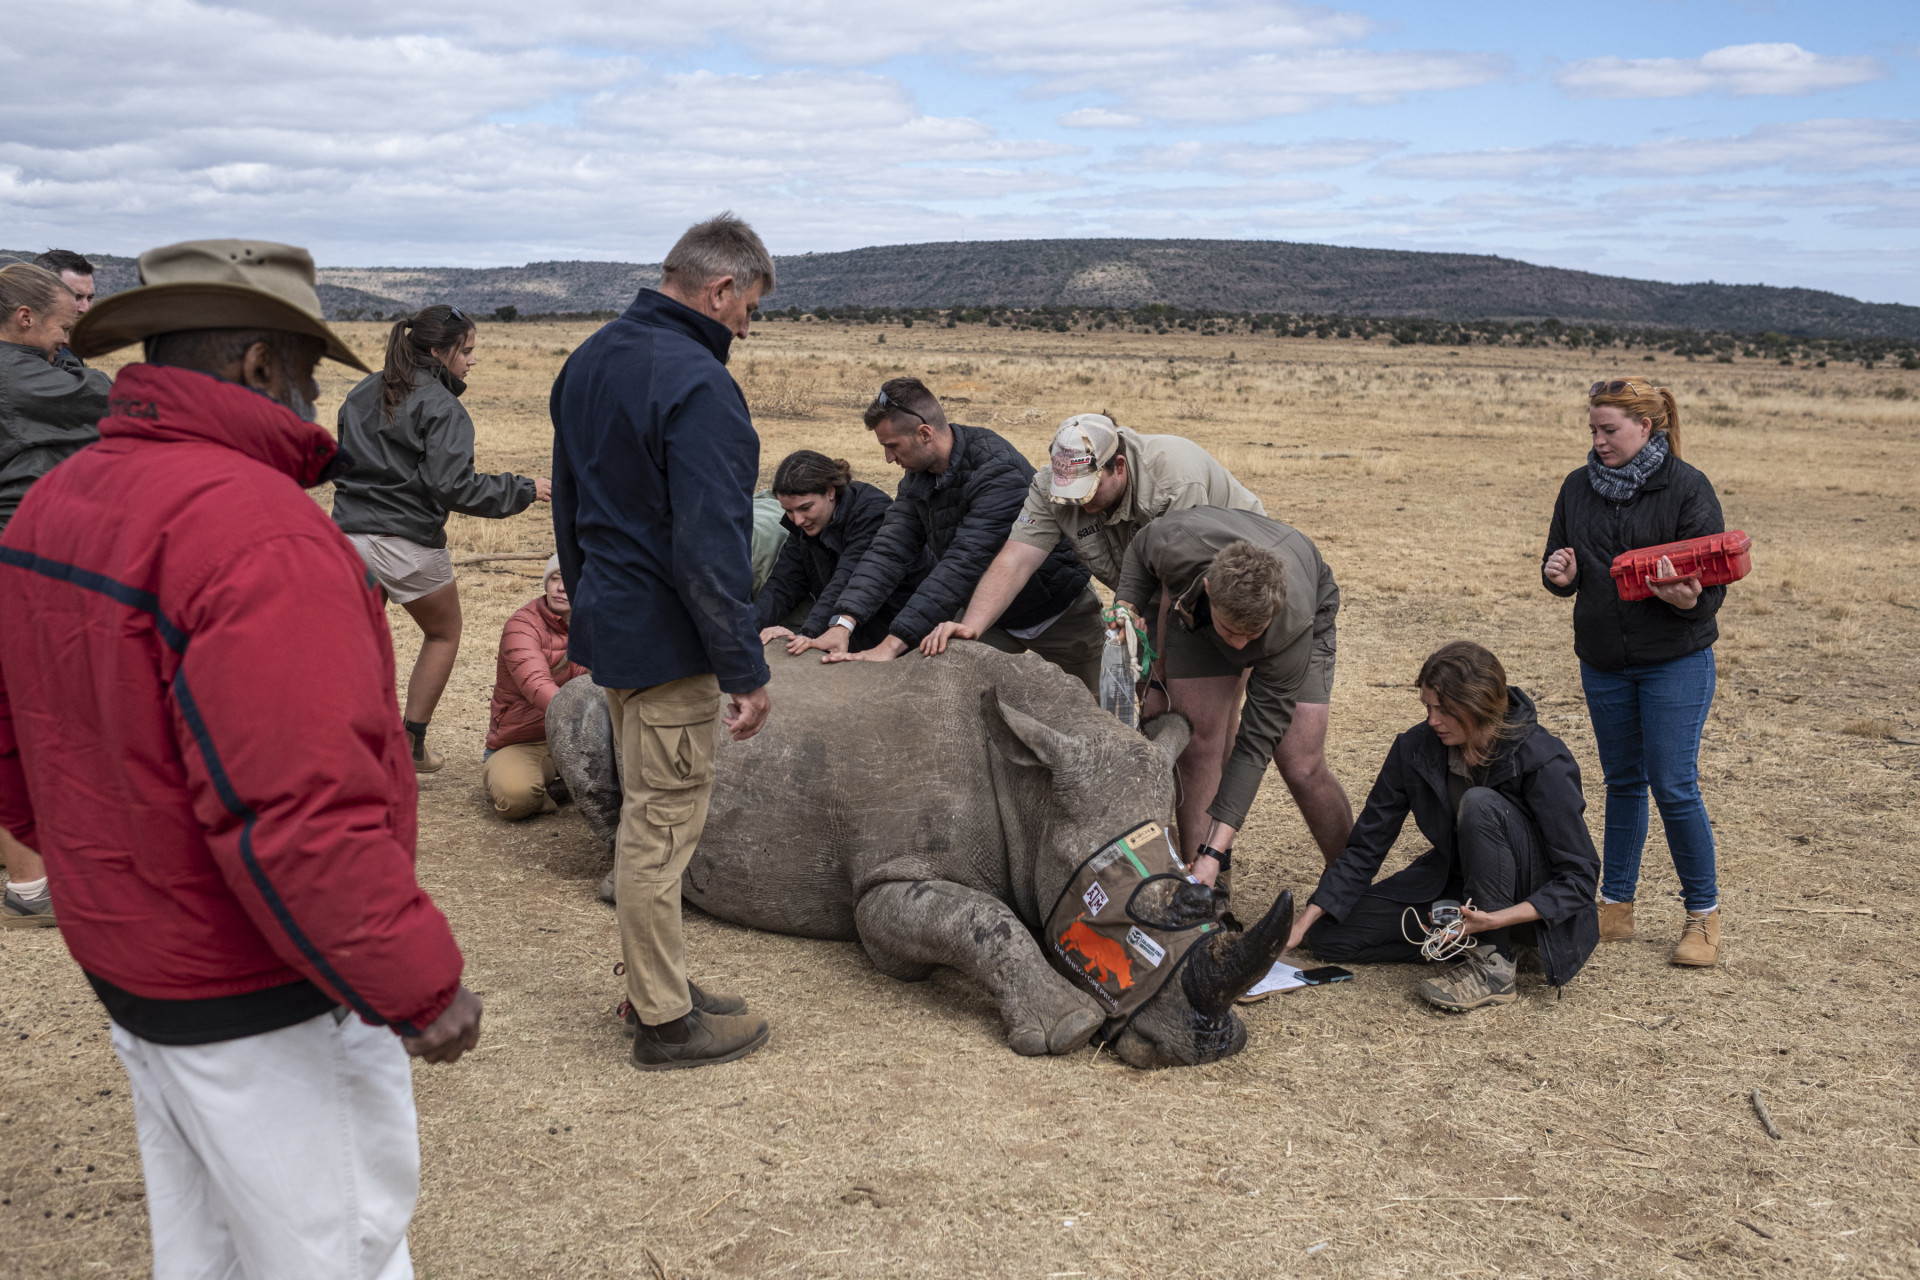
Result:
[{"x": 1719, "y": 558}]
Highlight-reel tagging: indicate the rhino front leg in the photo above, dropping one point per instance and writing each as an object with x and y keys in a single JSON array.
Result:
[{"x": 909, "y": 926}]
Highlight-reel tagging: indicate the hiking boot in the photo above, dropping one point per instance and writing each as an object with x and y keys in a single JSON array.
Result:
[
  {"x": 1484, "y": 977},
  {"x": 1699, "y": 943},
  {"x": 1616, "y": 922},
  {"x": 705, "y": 1002},
  {"x": 710, "y": 1038},
  {"x": 27, "y": 913},
  {"x": 427, "y": 760}
]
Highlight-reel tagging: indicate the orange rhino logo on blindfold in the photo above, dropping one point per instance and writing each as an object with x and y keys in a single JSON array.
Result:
[{"x": 1100, "y": 958}]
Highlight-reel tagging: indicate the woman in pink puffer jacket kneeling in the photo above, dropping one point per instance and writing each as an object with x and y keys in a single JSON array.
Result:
[{"x": 519, "y": 770}]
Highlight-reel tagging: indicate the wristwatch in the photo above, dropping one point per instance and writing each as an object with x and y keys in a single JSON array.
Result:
[
  {"x": 1222, "y": 856},
  {"x": 846, "y": 620}
]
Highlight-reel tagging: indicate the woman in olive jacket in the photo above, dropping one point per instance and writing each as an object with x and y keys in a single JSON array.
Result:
[
  {"x": 409, "y": 445},
  {"x": 1646, "y": 665},
  {"x": 1499, "y": 799}
]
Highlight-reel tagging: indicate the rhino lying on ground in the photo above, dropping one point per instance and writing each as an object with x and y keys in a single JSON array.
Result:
[{"x": 933, "y": 810}]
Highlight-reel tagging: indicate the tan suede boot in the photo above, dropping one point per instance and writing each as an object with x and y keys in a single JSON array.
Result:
[
  {"x": 1616, "y": 922},
  {"x": 1700, "y": 940}
]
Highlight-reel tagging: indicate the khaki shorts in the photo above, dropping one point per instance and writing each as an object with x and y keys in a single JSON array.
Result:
[
  {"x": 406, "y": 569},
  {"x": 1192, "y": 655}
]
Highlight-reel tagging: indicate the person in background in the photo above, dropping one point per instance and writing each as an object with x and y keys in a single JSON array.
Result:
[
  {"x": 50, "y": 404},
  {"x": 956, "y": 504},
  {"x": 74, "y": 271},
  {"x": 409, "y": 443},
  {"x": 1646, "y": 665},
  {"x": 1499, "y": 799},
  {"x": 50, "y": 409},
  {"x": 198, "y": 730},
  {"x": 1106, "y": 484},
  {"x": 519, "y": 771},
  {"x": 1250, "y": 606},
  {"x": 831, "y": 519},
  {"x": 654, "y": 463}
]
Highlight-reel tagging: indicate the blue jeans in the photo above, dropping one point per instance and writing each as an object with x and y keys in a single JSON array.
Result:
[{"x": 1647, "y": 722}]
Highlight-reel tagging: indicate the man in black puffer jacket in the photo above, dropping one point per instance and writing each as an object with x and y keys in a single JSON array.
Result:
[{"x": 963, "y": 488}]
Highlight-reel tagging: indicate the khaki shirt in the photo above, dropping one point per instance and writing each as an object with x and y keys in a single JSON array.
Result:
[{"x": 1164, "y": 473}]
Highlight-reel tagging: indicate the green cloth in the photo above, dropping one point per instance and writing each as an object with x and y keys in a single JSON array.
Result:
[{"x": 769, "y": 536}]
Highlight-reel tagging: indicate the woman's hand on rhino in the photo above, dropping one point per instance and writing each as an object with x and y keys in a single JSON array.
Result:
[
  {"x": 936, "y": 642},
  {"x": 831, "y": 641},
  {"x": 770, "y": 634},
  {"x": 746, "y": 714}
]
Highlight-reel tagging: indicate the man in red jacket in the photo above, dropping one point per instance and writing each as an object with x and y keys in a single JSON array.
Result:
[{"x": 198, "y": 732}]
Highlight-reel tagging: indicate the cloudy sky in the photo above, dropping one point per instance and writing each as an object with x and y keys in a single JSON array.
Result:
[{"x": 1672, "y": 139}]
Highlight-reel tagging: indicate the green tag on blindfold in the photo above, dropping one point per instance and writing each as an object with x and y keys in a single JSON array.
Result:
[{"x": 1126, "y": 921}]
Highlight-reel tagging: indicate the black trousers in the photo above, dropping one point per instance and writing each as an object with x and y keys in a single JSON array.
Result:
[{"x": 1500, "y": 863}]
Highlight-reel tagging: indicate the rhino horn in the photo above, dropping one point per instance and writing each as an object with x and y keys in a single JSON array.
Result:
[
  {"x": 1246, "y": 959},
  {"x": 1170, "y": 732}
]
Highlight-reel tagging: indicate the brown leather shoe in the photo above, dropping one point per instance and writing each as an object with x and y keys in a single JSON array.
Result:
[
  {"x": 1616, "y": 922},
  {"x": 1699, "y": 943},
  {"x": 427, "y": 760},
  {"x": 710, "y": 1038}
]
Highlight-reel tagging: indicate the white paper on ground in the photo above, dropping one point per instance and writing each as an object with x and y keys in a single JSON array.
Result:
[{"x": 1282, "y": 977}]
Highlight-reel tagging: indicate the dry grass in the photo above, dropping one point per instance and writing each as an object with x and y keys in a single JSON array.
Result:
[{"x": 887, "y": 1132}]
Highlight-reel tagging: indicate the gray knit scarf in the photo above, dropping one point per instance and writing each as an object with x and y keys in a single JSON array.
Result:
[{"x": 1619, "y": 484}]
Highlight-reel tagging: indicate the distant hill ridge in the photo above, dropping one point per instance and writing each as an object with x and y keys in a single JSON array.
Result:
[{"x": 1225, "y": 276}]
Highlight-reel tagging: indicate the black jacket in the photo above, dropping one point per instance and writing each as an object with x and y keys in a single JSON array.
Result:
[
  {"x": 820, "y": 567},
  {"x": 962, "y": 516},
  {"x": 1538, "y": 774},
  {"x": 1676, "y": 502},
  {"x": 405, "y": 473},
  {"x": 654, "y": 463},
  {"x": 49, "y": 411}
]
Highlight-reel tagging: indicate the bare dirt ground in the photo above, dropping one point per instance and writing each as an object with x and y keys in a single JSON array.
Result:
[{"x": 886, "y": 1131}]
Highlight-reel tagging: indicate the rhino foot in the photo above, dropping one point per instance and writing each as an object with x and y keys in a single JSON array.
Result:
[{"x": 1034, "y": 1038}]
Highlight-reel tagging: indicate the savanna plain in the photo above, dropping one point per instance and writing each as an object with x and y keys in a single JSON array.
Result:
[{"x": 887, "y": 1131}]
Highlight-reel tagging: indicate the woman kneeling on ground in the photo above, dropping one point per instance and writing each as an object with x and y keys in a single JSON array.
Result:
[
  {"x": 1499, "y": 799},
  {"x": 519, "y": 770},
  {"x": 1646, "y": 665},
  {"x": 833, "y": 518},
  {"x": 410, "y": 449}
]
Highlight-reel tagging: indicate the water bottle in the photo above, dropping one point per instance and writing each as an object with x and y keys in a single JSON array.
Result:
[{"x": 1117, "y": 678}]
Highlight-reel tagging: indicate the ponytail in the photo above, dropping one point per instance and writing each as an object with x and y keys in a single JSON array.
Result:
[
  {"x": 1671, "y": 425},
  {"x": 411, "y": 345},
  {"x": 804, "y": 471}
]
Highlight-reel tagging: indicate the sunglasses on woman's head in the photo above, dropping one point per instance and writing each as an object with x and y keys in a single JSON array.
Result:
[{"x": 1613, "y": 388}]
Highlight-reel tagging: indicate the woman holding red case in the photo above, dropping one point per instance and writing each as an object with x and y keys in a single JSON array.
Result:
[{"x": 1646, "y": 665}]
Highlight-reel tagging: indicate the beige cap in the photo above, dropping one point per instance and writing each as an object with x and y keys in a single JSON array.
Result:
[
  {"x": 1084, "y": 443},
  {"x": 553, "y": 566},
  {"x": 212, "y": 284}
]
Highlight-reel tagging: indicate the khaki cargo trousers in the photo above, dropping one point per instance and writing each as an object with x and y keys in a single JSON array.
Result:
[{"x": 666, "y": 736}]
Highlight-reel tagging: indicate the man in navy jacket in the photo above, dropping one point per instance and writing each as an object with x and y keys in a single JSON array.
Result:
[{"x": 654, "y": 463}]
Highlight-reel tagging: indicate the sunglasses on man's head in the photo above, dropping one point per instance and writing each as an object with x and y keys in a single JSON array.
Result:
[
  {"x": 894, "y": 406},
  {"x": 1613, "y": 388}
]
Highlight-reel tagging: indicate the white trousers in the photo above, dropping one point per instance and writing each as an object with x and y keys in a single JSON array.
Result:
[{"x": 290, "y": 1154}]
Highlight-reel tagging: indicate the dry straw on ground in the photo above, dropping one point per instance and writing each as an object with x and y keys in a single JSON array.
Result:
[{"x": 886, "y": 1131}]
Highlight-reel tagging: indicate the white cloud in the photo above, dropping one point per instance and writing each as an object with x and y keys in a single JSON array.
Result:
[
  {"x": 1251, "y": 159},
  {"x": 1097, "y": 118},
  {"x": 1809, "y": 146},
  {"x": 1739, "y": 70}
]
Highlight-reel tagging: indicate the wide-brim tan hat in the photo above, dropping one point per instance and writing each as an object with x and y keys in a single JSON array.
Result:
[{"x": 213, "y": 284}]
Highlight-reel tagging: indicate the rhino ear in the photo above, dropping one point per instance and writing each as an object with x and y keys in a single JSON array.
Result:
[{"x": 1024, "y": 740}]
